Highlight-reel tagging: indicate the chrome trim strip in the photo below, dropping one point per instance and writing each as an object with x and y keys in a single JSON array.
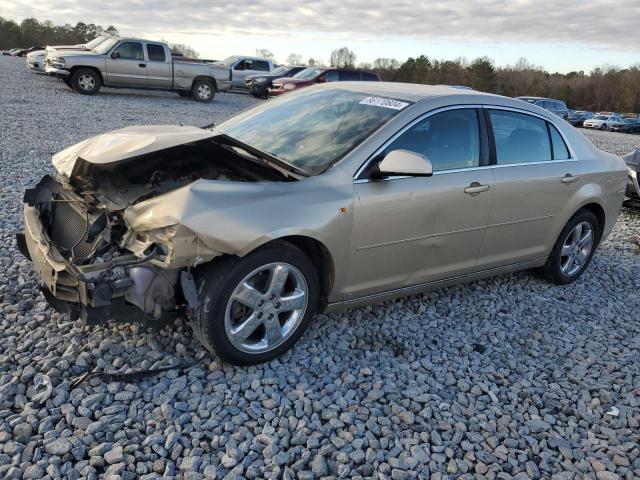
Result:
[{"x": 453, "y": 232}]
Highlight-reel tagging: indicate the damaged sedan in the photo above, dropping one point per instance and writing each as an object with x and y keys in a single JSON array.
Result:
[{"x": 336, "y": 196}]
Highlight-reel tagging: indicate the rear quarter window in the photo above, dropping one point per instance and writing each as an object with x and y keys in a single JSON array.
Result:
[{"x": 560, "y": 150}]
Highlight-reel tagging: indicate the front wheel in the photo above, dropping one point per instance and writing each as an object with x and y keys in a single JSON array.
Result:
[
  {"x": 603, "y": 127},
  {"x": 86, "y": 81},
  {"x": 253, "y": 309},
  {"x": 203, "y": 91},
  {"x": 574, "y": 248}
]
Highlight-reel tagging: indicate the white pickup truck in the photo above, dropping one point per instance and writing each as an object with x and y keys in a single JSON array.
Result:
[
  {"x": 135, "y": 63},
  {"x": 239, "y": 66}
]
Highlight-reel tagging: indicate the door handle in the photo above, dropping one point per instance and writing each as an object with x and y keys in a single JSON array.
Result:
[
  {"x": 568, "y": 178},
  {"x": 475, "y": 188},
  {"x": 142, "y": 65}
]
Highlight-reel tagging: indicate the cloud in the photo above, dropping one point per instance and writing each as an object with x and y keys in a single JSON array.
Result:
[{"x": 594, "y": 22}]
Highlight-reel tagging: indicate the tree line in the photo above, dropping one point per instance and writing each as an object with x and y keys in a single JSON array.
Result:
[
  {"x": 32, "y": 33},
  {"x": 603, "y": 89}
]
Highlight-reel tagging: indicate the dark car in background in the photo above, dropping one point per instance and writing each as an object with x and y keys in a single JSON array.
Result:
[
  {"x": 626, "y": 125},
  {"x": 556, "y": 106},
  {"x": 313, "y": 75},
  {"x": 259, "y": 84},
  {"x": 577, "y": 117}
]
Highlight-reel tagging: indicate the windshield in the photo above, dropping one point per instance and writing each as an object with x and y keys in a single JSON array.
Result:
[
  {"x": 600, "y": 117},
  {"x": 229, "y": 60},
  {"x": 313, "y": 128},
  {"x": 308, "y": 73},
  {"x": 280, "y": 71},
  {"x": 105, "y": 46},
  {"x": 96, "y": 41}
]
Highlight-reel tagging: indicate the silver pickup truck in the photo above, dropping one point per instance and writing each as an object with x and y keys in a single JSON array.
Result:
[{"x": 135, "y": 63}]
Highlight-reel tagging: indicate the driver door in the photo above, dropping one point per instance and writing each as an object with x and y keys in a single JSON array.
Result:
[
  {"x": 126, "y": 66},
  {"x": 414, "y": 230}
]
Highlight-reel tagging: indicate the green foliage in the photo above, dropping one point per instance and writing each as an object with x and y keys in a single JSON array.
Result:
[
  {"x": 32, "y": 33},
  {"x": 607, "y": 88}
]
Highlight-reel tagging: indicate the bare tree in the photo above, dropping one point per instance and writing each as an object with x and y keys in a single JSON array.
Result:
[
  {"x": 312, "y": 62},
  {"x": 264, "y": 53},
  {"x": 342, "y": 58},
  {"x": 183, "y": 49},
  {"x": 294, "y": 59},
  {"x": 386, "y": 64}
]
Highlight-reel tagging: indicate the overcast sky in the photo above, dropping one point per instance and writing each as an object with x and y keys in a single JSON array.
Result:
[{"x": 560, "y": 35}]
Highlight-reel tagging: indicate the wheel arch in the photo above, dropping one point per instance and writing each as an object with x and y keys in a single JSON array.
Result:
[
  {"x": 205, "y": 77},
  {"x": 97, "y": 70},
  {"x": 598, "y": 211}
]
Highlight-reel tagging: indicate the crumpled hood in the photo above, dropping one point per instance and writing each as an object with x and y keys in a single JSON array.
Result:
[
  {"x": 125, "y": 143},
  {"x": 633, "y": 158}
]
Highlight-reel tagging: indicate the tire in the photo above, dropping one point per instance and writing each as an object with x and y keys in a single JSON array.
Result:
[
  {"x": 184, "y": 94},
  {"x": 67, "y": 82},
  {"x": 86, "y": 81},
  {"x": 603, "y": 126},
  {"x": 203, "y": 91},
  {"x": 221, "y": 283},
  {"x": 559, "y": 268}
]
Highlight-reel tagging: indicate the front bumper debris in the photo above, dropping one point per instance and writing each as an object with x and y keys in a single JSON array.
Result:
[
  {"x": 124, "y": 287},
  {"x": 56, "y": 72}
]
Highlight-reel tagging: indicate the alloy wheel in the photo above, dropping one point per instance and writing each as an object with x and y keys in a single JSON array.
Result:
[
  {"x": 86, "y": 82},
  {"x": 266, "y": 307},
  {"x": 576, "y": 249}
]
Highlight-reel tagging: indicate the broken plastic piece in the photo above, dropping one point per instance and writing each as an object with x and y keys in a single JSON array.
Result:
[{"x": 614, "y": 412}]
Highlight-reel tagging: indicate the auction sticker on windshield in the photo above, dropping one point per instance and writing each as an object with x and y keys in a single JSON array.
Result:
[{"x": 384, "y": 102}]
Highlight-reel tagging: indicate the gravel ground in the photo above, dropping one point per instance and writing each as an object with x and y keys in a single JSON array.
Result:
[{"x": 502, "y": 378}]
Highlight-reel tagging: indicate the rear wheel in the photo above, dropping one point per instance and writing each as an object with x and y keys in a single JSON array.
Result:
[
  {"x": 255, "y": 308},
  {"x": 603, "y": 126},
  {"x": 203, "y": 91},
  {"x": 86, "y": 81},
  {"x": 574, "y": 248}
]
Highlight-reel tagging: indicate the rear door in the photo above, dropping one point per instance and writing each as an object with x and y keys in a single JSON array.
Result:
[
  {"x": 349, "y": 76},
  {"x": 535, "y": 175},
  {"x": 159, "y": 66},
  {"x": 126, "y": 65}
]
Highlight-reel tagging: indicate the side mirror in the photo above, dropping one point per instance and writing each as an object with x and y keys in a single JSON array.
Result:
[
  {"x": 405, "y": 163},
  {"x": 115, "y": 54},
  {"x": 321, "y": 79}
]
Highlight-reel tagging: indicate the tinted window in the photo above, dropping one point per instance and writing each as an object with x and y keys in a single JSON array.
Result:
[
  {"x": 349, "y": 76},
  {"x": 369, "y": 77},
  {"x": 261, "y": 66},
  {"x": 560, "y": 150},
  {"x": 155, "y": 52},
  {"x": 449, "y": 139},
  {"x": 331, "y": 76},
  {"x": 130, "y": 50},
  {"x": 519, "y": 138}
]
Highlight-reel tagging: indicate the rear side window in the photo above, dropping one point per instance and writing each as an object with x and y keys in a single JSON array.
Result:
[
  {"x": 560, "y": 150},
  {"x": 349, "y": 76},
  {"x": 369, "y": 77},
  {"x": 260, "y": 66},
  {"x": 155, "y": 52},
  {"x": 130, "y": 51},
  {"x": 519, "y": 138},
  {"x": 450, "y": 140}
]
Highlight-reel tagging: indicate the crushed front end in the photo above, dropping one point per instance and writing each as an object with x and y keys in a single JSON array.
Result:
[{"x": 78, "y": 251}]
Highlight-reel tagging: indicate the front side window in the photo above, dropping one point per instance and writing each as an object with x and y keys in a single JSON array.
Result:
[
  {"x": 312, "y": 129},
  {"x": 519, "y": 138},
  {"x": 130, "y": 51},
  {"x": 449, "y": 140},
  {"x": 331, "y": 76},
  {"x": 155, "y": 52}
]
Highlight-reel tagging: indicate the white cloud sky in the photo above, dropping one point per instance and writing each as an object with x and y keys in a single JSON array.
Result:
[{"x": 558, "y": 34}]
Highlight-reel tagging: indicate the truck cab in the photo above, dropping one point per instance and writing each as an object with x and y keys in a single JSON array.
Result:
[{"x": 241, "y": 66}]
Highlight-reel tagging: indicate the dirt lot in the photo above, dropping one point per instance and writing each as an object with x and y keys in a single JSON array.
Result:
[{"x": 502, "y": 378}]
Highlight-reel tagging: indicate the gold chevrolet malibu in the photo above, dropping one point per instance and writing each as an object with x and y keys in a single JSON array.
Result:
[{"x": 331, "y": 197}]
